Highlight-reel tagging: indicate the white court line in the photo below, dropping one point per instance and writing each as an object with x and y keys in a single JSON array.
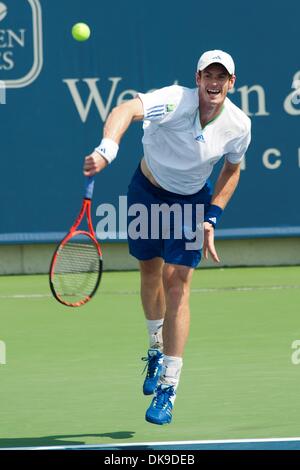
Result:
[
  {"x": 166, "y": 443},
  {"x": 25, "y": 296},
  {"x": 136, "y": 292}
]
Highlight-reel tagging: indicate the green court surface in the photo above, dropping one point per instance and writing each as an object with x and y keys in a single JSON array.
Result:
[{"x": 74, "y": 376}]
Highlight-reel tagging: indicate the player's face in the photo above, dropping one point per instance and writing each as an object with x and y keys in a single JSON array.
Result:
[{"x": 213, "y": 83}]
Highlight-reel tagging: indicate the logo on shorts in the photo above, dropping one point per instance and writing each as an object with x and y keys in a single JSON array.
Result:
[{"x": 21, "y": 47}]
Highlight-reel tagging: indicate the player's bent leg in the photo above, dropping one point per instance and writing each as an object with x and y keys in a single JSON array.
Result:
[
  {"x": 153, "y": 301},
  {"x": 176, "y": 280}
]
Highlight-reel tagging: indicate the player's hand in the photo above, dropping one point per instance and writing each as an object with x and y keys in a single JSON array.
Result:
[
  {"x": 209, "y": 243},
  {"x": 93, "y": 164}
]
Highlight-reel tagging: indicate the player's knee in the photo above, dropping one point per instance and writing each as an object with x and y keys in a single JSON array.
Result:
[
  {"x": 174, "y": 295},
  {"x": 177, "y": 285},
  {"x": 177, "y": 295}
]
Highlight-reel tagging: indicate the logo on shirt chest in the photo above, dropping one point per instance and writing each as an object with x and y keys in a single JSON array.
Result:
[{"x": 200, "y": 138}]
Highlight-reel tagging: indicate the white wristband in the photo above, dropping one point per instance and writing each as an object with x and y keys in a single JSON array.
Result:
[{"x": 108, "y": 149}]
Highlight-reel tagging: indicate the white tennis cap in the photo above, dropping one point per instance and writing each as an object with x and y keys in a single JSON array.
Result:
[{"x": 216, "y": 56}]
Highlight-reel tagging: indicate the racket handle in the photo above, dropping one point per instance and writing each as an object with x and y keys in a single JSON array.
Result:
[{"x": 89, "y": 187}]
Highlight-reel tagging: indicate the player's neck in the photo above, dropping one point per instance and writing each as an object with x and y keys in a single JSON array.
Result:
[{"x": 209, "y": 112}]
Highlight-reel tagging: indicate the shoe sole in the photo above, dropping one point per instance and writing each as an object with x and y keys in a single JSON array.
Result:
[
  {"x": 147, "y": 392},
  {"x": 154, "y": 421}
]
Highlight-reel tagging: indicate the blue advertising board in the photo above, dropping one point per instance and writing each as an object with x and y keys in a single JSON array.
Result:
[{"x": 56, "y": 94}]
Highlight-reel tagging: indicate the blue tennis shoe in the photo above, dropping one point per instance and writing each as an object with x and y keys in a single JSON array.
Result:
[
  {"x": 154, "y": 362},
  {"x": 160, "y": 410}
]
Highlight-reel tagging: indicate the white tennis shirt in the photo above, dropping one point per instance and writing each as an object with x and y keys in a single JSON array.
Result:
[{"x": 178, "y": 151}]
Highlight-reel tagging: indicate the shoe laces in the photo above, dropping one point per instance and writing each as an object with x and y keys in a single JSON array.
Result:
[
  {"x": 152, "y": 364},
  {"x": 163, "y": 396}
]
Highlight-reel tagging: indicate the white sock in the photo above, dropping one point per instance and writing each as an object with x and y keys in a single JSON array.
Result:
[
  {"x": 155, "y": 333},
  {"x": 171, "y": 371}
]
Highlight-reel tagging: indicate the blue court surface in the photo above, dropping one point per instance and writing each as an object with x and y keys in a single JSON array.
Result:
[{"x": 235, "y": 444}]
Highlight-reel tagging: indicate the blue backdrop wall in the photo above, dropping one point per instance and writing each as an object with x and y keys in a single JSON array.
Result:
[{"x": 56, "y": 93}]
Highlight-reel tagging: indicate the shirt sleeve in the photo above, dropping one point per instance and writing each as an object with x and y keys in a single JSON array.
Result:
[
  {"x": 160, "y": 103},
  {"x": 239, "y": 148}
]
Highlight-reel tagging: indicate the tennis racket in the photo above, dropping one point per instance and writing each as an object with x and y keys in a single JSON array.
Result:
[{"x": 76, "y": 266}]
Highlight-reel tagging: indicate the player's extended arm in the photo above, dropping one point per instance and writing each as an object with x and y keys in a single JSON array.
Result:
[
  {"x": 226, "y": 184},
  {"x": 224, "y": 189},
  {"x": 116, "y": 125}
]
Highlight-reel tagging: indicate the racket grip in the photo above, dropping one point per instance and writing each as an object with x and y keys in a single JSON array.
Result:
[{"x": 89, "y": 187}]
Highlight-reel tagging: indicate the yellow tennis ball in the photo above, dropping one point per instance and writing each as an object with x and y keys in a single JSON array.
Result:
[{"x": 81, "y": 32}]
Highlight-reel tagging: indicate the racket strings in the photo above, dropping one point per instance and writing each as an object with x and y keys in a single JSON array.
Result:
[{"x": 76, "y": 272}]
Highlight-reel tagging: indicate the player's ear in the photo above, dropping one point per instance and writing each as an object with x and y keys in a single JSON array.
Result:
[
  {"x": 198, "y": 78},
  {"x": 232, "y": 79}
]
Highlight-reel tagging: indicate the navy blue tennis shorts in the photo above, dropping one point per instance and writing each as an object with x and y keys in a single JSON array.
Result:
[{"x": 150, "y": 237}]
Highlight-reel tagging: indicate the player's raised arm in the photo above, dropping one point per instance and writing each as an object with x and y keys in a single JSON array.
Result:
[{"x": 116, "y": 125}]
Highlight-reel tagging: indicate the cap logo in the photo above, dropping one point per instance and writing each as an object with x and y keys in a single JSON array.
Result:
[{"x": 217, "y": 57}]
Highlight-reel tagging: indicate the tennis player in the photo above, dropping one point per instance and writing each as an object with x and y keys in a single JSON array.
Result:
[{"x": 186, "y": 132}]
